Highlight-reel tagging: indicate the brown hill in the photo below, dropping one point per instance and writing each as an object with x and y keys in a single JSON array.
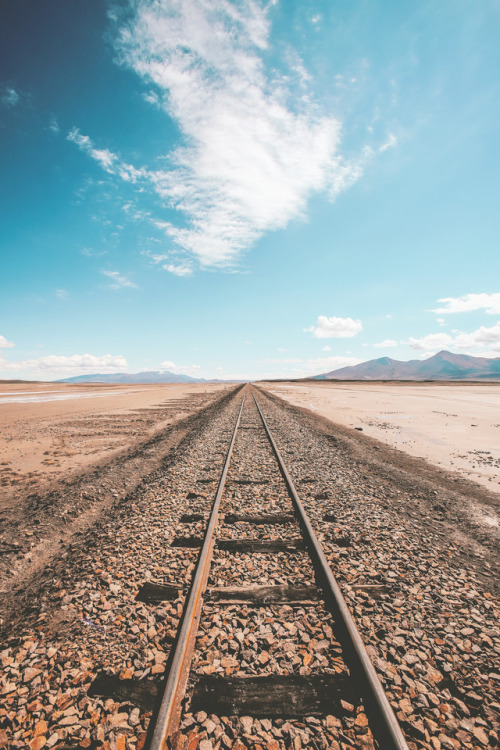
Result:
[{"x": 441, "y": 366}]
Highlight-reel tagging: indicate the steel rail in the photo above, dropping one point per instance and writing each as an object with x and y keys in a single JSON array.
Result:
[
  {"x": 382, "y": 720},
  {"x": 169, "y": 712}
]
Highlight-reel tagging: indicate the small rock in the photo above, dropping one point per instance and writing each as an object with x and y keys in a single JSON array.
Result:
[{"x": 247, "y": 724}]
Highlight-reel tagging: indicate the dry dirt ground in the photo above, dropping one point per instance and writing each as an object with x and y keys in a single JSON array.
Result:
[
  {"x": 69, "y": 452},
  {"x": 49, "y": 430}
]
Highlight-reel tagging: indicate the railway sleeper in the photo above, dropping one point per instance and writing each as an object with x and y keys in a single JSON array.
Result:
[
  {"x": 260, "y": 595},
  {"x": 261, "y": 545},
  {"x": 273, "y": 696},
  {"x": 277, "y": 518},
  {"x": 154, "y": 593}
]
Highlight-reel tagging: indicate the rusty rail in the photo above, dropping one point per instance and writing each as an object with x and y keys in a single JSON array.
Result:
[
  {"x": 169, "y": 712},
  {"x": 382, "y": 720}
]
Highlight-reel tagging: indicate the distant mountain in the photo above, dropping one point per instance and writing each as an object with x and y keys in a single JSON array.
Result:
[
  {"x": 135, "y": 377},
  {"x": 442, "y": 366}
]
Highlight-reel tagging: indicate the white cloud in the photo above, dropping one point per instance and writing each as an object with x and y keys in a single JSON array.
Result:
[
  {"x": 54, "y": 366},
  {"x": 178, "y": 269},
  {"x": 483, "y": 336},
  {"x": 306, "y": 367},
  {"x": 192, "y": 370},
  {"x": 91, "y": 253},
  {"x": 334, "y": 328},
  {"x": 326, "y": 348},
  {"x": 61, "y": 293},
  {"x": 490, "y": 303},
  {"x": 10, "y": 97},
  {"x": 323, "y": 364},
  {"x": 252, "y": 156},
  {"x": 54, "y": 126},
  {"x": 4, "y": 344},
  {"x": 119, "y": 280},
  {"x": 481, "y": 342},
  {"x": 278, "y": 361},
  {"x": 390, "y": 142},
  {"x": 432, "y": 342},
  {"x": 109, "y": 161},
  {"x": 104, "y": 157},
  {"x": 385, "y": 344}
]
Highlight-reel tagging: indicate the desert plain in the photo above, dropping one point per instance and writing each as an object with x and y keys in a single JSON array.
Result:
[
  {"x": 50, "y": 430},
  {"x": 455, "y": 426}
]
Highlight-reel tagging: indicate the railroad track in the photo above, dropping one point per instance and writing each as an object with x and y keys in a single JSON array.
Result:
[{"x": 258, "y": 541}]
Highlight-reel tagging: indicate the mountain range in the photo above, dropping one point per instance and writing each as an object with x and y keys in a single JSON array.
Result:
[
  {"x": 152, "y": 376},
  {"x": 441, "y": 366}
]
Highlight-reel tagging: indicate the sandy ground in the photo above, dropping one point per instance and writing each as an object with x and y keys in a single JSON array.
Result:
[
  {"x": 455, "y": 426},
  {"x": 48, "y": 430}
]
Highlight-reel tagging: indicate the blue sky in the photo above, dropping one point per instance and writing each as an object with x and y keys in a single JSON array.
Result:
[{"x": 247, "y": 189}]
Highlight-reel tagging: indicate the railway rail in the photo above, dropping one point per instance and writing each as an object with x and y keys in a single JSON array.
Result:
[{"x": 242, "y": 524}]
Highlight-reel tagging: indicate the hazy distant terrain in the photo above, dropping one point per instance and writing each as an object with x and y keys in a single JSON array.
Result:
[
  {"x": 152, "y": 376},
  {"x": 442, "y": 366}
]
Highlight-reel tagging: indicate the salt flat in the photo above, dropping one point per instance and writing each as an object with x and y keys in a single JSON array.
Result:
[{"x": 453, "y": 425}]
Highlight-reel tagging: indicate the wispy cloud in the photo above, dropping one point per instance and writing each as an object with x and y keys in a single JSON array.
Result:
[
  {"x": 4, "y": 344},
  {"x": 54, "y": 126},
  {"x": 253, "y": 151},
  {"x": 390, "y": 142},
  {"x": 52, "y": 365},
  {"x": 335, "y": 328},
  {"x": 490, "y": 303},
  {"x": 308, "y": 367},
  {"x": 192, "y": 370},
  {"x": 61, "y": 293},
  {"x": 89, "y": 252},
  {"x": 327, "y": 364},
  {"x": 179, "y": 269},
  {"x": 9, "y": 97},
  {"x": 109, "y": 161},
  {"x": 386, "y": 344},
  {"x": 119, "y": 281}
]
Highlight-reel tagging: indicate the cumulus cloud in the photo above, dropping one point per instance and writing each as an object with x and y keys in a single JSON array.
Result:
[
  {"x": 53, "y": 365},
  {"x": 483, "y": 341},
  {"x": 490, "y": 303},
  {"x": 335, "y": 328},
  {"x": 386, "y": 344},
  {"x": 253, "y": 153},
  {"x": 4, "y": 344},
  {"x": 119, "y": 281},
  {"x": 192, "y": 370}
]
